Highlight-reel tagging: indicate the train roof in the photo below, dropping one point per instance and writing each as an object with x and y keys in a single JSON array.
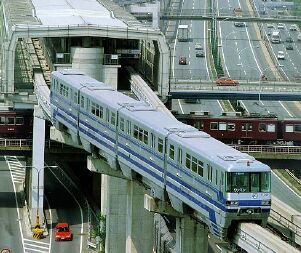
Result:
[{"x": 222, "y": 155}]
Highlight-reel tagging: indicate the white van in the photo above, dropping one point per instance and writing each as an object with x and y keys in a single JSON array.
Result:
[{"x": 299, "y": 37}]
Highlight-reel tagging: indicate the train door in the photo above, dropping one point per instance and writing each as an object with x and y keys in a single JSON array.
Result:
[{"x": 246, "y": 130}]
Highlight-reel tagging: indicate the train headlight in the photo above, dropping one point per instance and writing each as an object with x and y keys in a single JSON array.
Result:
[
  {"x": 232, "y": 203},
  {"x": 265, "y": 202}
]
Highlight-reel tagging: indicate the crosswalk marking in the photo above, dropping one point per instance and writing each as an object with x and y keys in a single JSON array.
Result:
[
  {"x": 35, "y": 246},
  {"x": 16, "y": 168}
]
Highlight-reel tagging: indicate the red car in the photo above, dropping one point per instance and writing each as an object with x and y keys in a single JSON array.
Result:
[
  {"x": 182, "y": 60},
  {"x": 63, "y": 232},
  {"x": 226, "y": 81}
]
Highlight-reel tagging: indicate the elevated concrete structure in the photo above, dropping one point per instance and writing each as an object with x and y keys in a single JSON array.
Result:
[{"x": 101, "y": 19}]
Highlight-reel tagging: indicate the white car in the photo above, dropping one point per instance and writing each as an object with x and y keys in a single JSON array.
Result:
[
  {"x": 280, "y": 55},
  {"x": 299, "y": 37},
  {"x": 270, "y": 26},
  {"x": 280, "y": 26},
  {"x": 293, "y": 27}
]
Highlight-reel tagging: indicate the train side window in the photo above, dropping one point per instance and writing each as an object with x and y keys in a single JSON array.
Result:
[
  {"x": 194, "y": 165},
  {"x": 61, "y": 89},
  {"x": 222, "y": 126},
  {"x": 262, "y": 127},
  {"x": 10, "y": 120},
  {"x": 222, "y": 178},
  {"x": 188, "y": 161},
  {"x": 113, "y": 118},
  {"x": 19, "y": 121},
  {"x": 297, "y": 127},
  {"x": 228, "y": 182},
  {"x": 213, "y": 126},
  {"x": 140, "y": 134},
  {"x": 271, "y": 128},
  {"x": 171, "y": 151},
  {"x": 289, "y": 128},
  {"x": 2, "y": 120},
  {"x": 160, "y": 145},
  {"x": 82, "y": 101},
  {"x": 128, "y": 127},
  {"x": 200, "y": 168},
  {"x": 231, "y": 126},
  {"x": 254, "y": 182},
  {"x": 209, "y": 175},
  {"x": 75, "y": 98},
  {"x": 121, "y": 124},
  {"x": 216, "y": 177},
  {"x": 107, "y": 115},
  {"x": 153, "y": 142},
  {"x": 199, "y": 125},
  {"x": 136, "y": 132},
  {"x": 100, "y": 112},
  {"x": 180, "y": 156},
  {"x": 93, "y": 108},
  {"x": 145, "y": 137}
]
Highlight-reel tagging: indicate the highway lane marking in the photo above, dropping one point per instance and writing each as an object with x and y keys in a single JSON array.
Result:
[
  {"x": 181, "y": 106},
  {"x": 286, "y": 109}
]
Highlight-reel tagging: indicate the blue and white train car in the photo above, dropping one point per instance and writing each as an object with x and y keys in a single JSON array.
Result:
[{"x": 220, "y": 184}]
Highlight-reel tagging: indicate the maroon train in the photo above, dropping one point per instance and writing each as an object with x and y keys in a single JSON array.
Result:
[
  {"x": 16, "y": 123},
  {"x": 246, "y": 130}
]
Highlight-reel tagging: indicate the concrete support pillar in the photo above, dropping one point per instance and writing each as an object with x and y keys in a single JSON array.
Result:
[
  {"x": 88, "y": 60},
  {"x": 129, "y": 227},
  {"x": 110, "y": 75},
  {"x": 191, "y": 236},
  {"x": 37, "y": 184}
]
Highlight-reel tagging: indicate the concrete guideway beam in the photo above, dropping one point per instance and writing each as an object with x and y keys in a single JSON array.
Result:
[
  {"x": 247, "y": 237},
  {"x": 29, "y": 31}
]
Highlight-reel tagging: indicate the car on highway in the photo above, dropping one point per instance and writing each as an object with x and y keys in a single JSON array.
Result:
[
  {"x": 280, "y": 26},
  {"x": 293, "y": 27},
  {"x": 182, "y": 60},
  {"x": 199, "y": 50},
  {"x": 299, "y": 37},
  {"x": 240, "y": 24},
  {"x": 280, "y": 55},
  {"x": 289, "y": 47},
  {"x": 63, "y": 232},
  {"x": 226, "y": 81},
  {"x": 289, "y": 40},
  {"x": 270, "y": 26}
]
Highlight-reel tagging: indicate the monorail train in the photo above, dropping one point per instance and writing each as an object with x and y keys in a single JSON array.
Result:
[
  {"x": 246, "y": 130},
  {"x": 16, "y": 123},
  {"x": 221, "y": 185}
]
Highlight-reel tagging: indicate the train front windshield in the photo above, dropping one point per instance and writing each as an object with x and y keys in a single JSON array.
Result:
[{"x": 238, "y": 182}]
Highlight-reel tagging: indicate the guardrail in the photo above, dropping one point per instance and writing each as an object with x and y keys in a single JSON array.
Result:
[{"x": 289, "y": 150}]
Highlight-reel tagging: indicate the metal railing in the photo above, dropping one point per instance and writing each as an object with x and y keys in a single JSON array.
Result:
[{"x": 289, "y": 150}]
